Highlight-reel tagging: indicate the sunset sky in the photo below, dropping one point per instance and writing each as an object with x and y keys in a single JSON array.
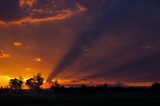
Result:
[{"x": 80, "y": 40}]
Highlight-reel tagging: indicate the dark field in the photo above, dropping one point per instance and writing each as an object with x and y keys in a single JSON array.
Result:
[{"x": 110, "y": 99}]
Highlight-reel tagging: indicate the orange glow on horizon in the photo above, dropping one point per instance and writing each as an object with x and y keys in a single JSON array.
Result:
[
  {"x": 4, "y": 79},
  {"x": 66, "y": 82}
]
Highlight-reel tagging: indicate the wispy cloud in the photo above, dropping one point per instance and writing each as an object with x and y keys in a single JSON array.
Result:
[
  {"x": 63, "y": 15},
  {"x": 33, "y": 12}
]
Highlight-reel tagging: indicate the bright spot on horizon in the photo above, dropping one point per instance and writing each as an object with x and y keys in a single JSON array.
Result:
[
  {"x": 44, "y": 81},
  {"x": 17, "y": 44}
]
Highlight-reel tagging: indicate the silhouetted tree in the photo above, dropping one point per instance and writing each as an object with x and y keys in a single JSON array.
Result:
[
  {"x": 55, "y": 84},
  {"x": 16, "y": 83},
  {"x": 155, "y": 86},
  {"x": 35, "y": 82},
  {"x": 83, "y": 86},
  {"x": 56, "y": 87},
  {"x": 103, "y": 86}
]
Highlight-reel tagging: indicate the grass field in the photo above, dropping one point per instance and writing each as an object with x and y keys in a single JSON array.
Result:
[{"x": 119, "y": 99}]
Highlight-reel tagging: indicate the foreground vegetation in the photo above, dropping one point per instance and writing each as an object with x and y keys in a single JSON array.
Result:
[
  {"x": 84, "y": 95},
  {"x": 108, "y": 99}
]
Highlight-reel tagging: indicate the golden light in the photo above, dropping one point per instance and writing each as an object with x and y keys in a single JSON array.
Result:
[
  {"x": 4, "y": 79},
  {"x": 61, "y": 81},
  {"x": 44, "y": 81}
]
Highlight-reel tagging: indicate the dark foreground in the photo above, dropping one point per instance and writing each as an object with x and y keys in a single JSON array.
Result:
[{"x": 108, "y": 99}]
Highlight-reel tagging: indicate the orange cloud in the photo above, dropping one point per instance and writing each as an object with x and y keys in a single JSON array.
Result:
[
  {"x": 27, "y": 3},
  {"x": 2, "y": 23},
  {"x": 81, "y": 8},
  {"x": 56, "y": 16},
  {"x": 3, "y": 54},
  {"x": 66, "y": 13},
  {"x": 37, "y": 59},
  {"x": 17, "y": 44}
]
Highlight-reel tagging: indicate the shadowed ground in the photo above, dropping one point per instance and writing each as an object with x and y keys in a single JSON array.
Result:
[{"x": 110, "y": 99}]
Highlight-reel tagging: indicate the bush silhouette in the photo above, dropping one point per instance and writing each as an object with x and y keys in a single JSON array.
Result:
[
  {"x": 16, "y": 83},
  {"x": 155, "y": 86},
  {"x": 55, "y": 84},
  {"x": 35, "y": 82}
]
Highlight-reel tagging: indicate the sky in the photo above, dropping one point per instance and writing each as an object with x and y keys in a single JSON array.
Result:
[{"x": 80, "y": 40}]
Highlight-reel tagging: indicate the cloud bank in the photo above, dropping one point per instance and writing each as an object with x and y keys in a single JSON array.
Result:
[{"x": 37, "y": 11}]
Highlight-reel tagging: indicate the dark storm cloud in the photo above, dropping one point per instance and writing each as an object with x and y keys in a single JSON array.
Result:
[{"x": 10, "y": 10}]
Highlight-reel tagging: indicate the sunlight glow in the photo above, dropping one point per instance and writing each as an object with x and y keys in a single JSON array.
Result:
[{"x": 4, "y": 79}]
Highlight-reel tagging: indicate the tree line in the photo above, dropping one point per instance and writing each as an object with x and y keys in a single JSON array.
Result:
[
  {"x": 36, "y": 81},
  {"x": 33, "y": 83}
]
